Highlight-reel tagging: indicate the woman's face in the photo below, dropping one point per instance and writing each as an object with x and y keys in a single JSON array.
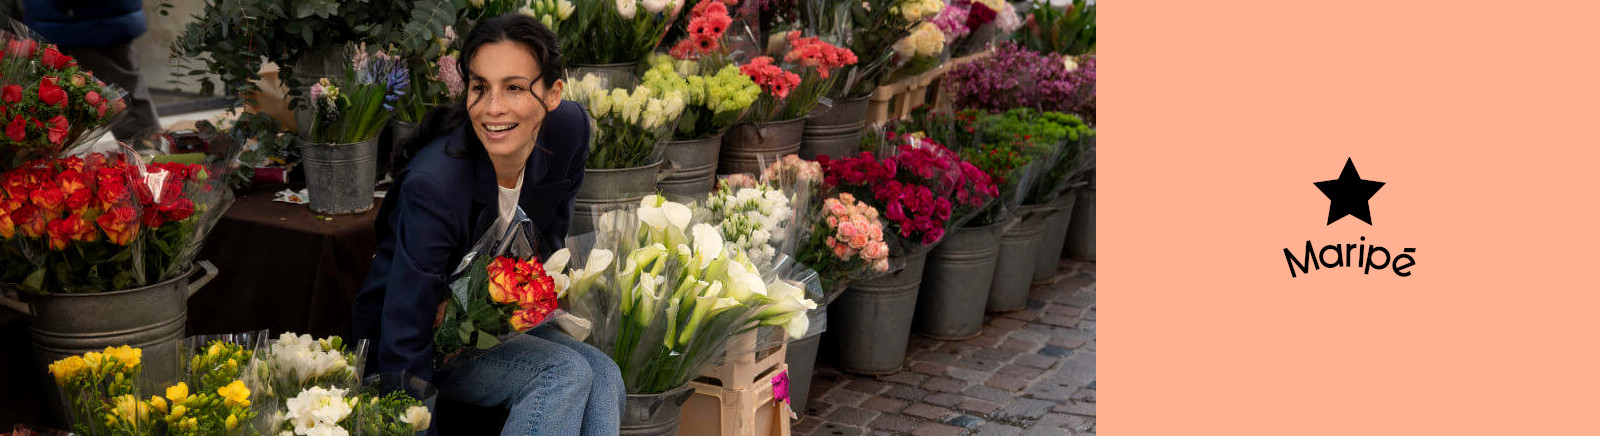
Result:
[{"x": 501, "y": 98}]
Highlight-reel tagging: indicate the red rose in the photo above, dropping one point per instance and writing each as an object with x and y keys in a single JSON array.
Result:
[
  {"x": 119, "y": 223},
  {"x": 49, "y": 199},
  {"x": 93, "y": 98},
  {"x": 151, "y": 217},
  {"x": 11, "y": 93},
  {"x": 177, "y": 210},
  {"x": 101, "y": 109},
  {"x": 58, "y": 129},
  {"x": 65, "y": 230},
  {"x": 111, "y": 194},
  {"x": 31, "y": 220},
  {"x": 22, "y": 47},
  {"x": 54, "y": 59},
  {"x": 51, "y": 94}
]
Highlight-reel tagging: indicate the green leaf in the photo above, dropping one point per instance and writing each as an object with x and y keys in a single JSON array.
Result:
[
  {"x": 486, "y": 342},
  {"x": 35, "y": 281}
]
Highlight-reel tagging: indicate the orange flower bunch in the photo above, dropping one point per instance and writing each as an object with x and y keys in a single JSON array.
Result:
[{"x": 525, "y": 284}]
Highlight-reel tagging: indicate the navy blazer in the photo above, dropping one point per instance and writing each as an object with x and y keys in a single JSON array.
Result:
[{"x": 436, "y": 211}]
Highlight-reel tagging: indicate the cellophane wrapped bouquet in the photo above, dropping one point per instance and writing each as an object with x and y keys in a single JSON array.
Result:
[
  {"x": 972, "y": 26},
  {"x": 1009, "y": 154},
  {"x": 676, "y": 294},
  {"x": 49, "y": 105},
  {"x": 499, "y": 290},
  {"x": 211, "y": 399},
  {"x": 632, "y": 124},
  {"x": 105, "y": 221},
  {"x": 921, "y": 188},
  {"x": 815, "y": 63}
]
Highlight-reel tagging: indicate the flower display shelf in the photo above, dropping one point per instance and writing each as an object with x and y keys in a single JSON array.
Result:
[
  {"x": 896, "y": 100},
  {"x": 753, "y": 410}
]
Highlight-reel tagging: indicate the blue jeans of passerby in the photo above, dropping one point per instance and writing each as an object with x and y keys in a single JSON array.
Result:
[{"x": 553, "y": 384}]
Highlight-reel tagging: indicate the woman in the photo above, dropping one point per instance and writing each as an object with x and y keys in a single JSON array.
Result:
[{"x": 517, "y": 144}]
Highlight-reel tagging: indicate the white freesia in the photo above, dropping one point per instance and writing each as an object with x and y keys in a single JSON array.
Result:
[
  {"x": 417, "y": 417},
  {"x": 318, "y": 411}
]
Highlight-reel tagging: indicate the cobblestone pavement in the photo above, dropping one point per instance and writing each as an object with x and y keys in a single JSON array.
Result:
[{"x": 1030, "y": 372}]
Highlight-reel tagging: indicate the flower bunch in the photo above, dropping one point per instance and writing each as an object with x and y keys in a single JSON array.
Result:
[
  {"x": 816, "y": 61},
  {"x": 919, "y": 51},
  {"x": 755, "y": 219},
  {"x": 505, "y": 295},
  {"x": 319, "y": 411},
  {"x": 923, "y": 188},
  {"x": 549, "y": 12},
  {"x": 708, "y": 21},
  {"x": 869, "y": 30},
  {"x": 222, "y": 411},
  {"x": 82, "y": 215},
  {"x": 221, "y": 364},
  {"x": 775, "y": 82},
  {"x": 435, "y": 80},
  {"x": 712, "y": 103},
  {"x": 1015, "y": 77},
  {"x": 392, "y": 414},
  {"x": 844, "y": 241},
  {"x": 792, "y": 167},
  {"x": 619, "y": 31},
  {"x": 1069, "y": 31},
  {"x": 48, "y": 103},
  {"x": 632, "y": 125},
  {"x": 663, "y": 313},
  {"x": 355, "y": 108},
  {"x": 100, "y": 391},
  {"x": 918, "y": 10},
  {"x": 294, "y": 363}
]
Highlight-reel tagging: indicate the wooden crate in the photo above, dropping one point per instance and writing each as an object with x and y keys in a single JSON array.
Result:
[
  {"x": 895, "y": 100},
  {"x": 714, "y": 410},
  {"x": 746, "y": 367}
]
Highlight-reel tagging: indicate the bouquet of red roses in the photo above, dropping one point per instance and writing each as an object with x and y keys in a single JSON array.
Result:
[
  {"x": 102, "y": 222},
  {"x": 48, "y": 104},
  {"x": 500, "y": 290},
  {"x": 922, "y": 188}
]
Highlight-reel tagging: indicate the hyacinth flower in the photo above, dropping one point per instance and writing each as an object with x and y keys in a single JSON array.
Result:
[{"x": 355, "y": 107}]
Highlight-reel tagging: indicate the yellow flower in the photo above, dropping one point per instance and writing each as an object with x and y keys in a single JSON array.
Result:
[
  {"x": 232, "y": 422},
  {"x": 68, "y": 369},
  {"x": 177, "y": 412},
  {"x": 92, "y": 360},
  {"x": 216, "y": 347},
  {"x": 177, "y": 393},
  {"x": 158, "y": 403},
  {"x": 236, "y": 393},
  {"x": 127, "y": 408},
  {"x": 129, "y": 356}
]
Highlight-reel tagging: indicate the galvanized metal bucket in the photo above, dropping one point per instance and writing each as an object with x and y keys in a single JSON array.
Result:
[
  {"x": 339, "y": 177},
  {"x": 802, "y": 360},
  {"x": 747, "y": 146},
  {"x": 696, "y": 164},
  {"x": 955, "y": 288},
  {"x": 835, "y": 131},
  {"x": 1080, "y": 238},
  {"x": 1013, "y": 269},
  {"x": 151, "y": 317},
  {"x": 654, "y": 414},
  {"x": 1047, "y": 256},
  {"x": 624, "y": 75},
  {"x": 873, "y": 319},
  {"x": 613, "y": 186}
]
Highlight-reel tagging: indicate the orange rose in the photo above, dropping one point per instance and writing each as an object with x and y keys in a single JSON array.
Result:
[
  {"x": 8, "y": 228},
  {"x": 31, "y": 219},
  {"x": 120, "y": 224},
  {"x": 539, "y": 294},
  {"x": 48, "y": 199},
  {"x": 65, "y": 230},
  {"x": 504, "y": 280},
  {"x": 527, "y": 319}
]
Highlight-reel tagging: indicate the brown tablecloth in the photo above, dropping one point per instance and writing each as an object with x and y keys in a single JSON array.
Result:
[{"x": 282, "y": 267}]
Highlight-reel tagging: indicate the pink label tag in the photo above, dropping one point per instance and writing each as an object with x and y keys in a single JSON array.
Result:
[{"x": 780, "y": 391}]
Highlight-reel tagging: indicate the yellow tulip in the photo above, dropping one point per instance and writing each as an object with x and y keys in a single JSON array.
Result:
[
  {"x": 178, "y": 392},
  {"x": 236, "y": 393}
]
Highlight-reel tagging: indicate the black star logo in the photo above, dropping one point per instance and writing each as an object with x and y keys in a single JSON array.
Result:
[{"x": 1349, "y": 194}]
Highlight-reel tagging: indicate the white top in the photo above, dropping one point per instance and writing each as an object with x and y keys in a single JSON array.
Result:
[{"x": 508, "y": 205}]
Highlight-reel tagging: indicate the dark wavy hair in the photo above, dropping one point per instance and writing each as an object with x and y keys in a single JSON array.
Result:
[{"x": 514, "y": 27}]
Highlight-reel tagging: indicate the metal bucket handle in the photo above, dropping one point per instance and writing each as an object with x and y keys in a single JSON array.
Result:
[
  {"x": 667, "y": 169},
  {"x": 194, "y": 286}
]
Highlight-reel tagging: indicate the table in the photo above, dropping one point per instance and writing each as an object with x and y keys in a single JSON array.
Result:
[{"x": 282, "y": 268}]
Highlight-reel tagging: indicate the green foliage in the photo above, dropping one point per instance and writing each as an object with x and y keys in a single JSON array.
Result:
[{"x": 1069, "y": 32}]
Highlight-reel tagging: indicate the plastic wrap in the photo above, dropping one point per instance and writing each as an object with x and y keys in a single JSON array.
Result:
[
  {"x": 395, "y": 404},
  {"x": 215, "y": 362},
  {"x": 101, "y": 392},
  {"x": 52, "y": 106},
  {"x": 500, "y": 289},
  {"x": 291, "y": 364},
  {"x": 77, "y": 225},
  {"x": 631, "y": 125}
]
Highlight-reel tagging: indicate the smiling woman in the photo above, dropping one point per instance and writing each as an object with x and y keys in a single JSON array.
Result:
[{"x": 510, "y": 142}]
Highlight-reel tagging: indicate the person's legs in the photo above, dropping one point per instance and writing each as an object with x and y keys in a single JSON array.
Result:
[
  {"x": 545, "y": 384},
  {"x": 116, "y": 65},
  {"x": 603, "y": 416}
]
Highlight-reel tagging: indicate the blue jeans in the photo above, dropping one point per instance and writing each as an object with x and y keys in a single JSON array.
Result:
[{"x": 553, "y": 384}]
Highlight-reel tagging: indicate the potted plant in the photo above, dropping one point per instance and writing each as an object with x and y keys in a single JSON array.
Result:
[{"x": 346, "y": 114}]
